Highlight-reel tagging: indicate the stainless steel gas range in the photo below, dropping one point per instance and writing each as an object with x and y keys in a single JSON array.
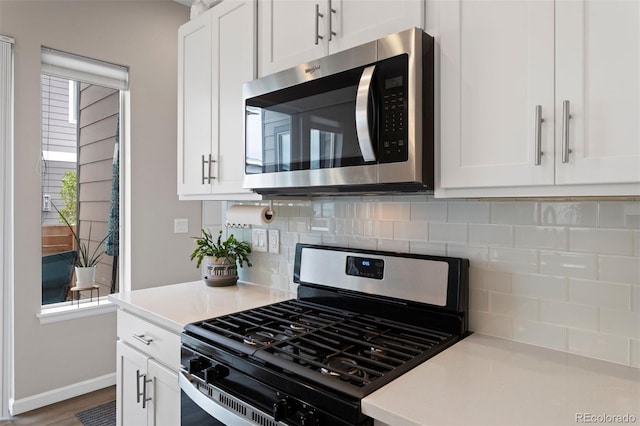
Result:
[{"x": 361, "y": 319}]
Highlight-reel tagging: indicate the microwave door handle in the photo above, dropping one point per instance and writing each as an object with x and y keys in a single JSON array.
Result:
[{"x": 362, "y": 117}]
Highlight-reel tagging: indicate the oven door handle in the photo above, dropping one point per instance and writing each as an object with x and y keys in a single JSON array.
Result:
[
  {"x": 362, "y": 114},
  {"x": 214, "y": 409}
]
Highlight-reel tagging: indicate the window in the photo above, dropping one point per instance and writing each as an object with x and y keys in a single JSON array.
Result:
[{"x": 81, "y": 109}]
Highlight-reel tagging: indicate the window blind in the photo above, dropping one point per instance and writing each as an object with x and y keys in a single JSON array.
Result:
[{"x": 74, "y": 67}]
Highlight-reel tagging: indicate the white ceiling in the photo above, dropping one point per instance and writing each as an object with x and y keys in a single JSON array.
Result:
[{"x": 184, "y": 2}]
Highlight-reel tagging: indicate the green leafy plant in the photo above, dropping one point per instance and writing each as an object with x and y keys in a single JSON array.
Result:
[
  {"x": 230, "y": 249},
  {"x": 84, "y": 257},
  {"x": 69, "y": 194}
]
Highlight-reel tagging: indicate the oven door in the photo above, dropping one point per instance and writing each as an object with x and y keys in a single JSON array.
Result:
[{"x": 197, "y": 409}]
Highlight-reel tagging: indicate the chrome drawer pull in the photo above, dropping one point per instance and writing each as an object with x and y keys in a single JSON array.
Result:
[
  {"x": 566, "y": 116},
  {"x": 538, "y": 135},
  {"x": 140, "y": 337},
  {"x": 318, "y": 16}
]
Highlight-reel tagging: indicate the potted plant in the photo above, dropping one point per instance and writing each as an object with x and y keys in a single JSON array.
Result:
[
  {"x": 86, "y": 260},
  {"x": 220, "y": 258}
]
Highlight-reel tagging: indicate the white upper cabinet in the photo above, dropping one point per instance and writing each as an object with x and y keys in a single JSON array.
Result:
[
  {"x": 496, "y": 67},
  {"x": 598, "y": 73},
  {"x": 292, "y": 32},
  {"x": 216, "y": 55},
  {"x": 506, "y": 70}
]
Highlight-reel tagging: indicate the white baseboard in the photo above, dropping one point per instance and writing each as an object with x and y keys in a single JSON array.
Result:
[{"x": 22, "y": 405}]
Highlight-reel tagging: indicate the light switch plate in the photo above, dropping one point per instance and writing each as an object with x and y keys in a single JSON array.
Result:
[
  {"x": 180, "y": 226},
  {"x": 259, "y": 240},
  {"x": 274, "y": 241}
]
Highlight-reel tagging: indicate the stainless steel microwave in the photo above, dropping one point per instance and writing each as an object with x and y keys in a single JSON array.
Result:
[{"x": 357, "y": 121}]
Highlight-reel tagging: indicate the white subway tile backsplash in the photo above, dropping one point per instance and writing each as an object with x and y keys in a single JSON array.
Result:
[
  {"x": 478, "y": 300},
  {"x": 571, "y": 265},
  {"x": 391, "y": 211},
  {"x": 490, "y": 279},
  {"x": 625, "y": 324},
  {"x": 476, "y": 255},
  {"x": 434, "y": 249},
  {"x": 469, "y": 212},
  {"x": 513, "y": 260},
  {"x": 393, "y": 245},
  {"x": 540, "y": 334},
  {"x": 619, "y": 215},
  {"x": 600, "y": 294},
  {"x": 411, "y": 231},
  {"x": 448, "y": 232},
  {"x": 620, "y": 269},
  {"x": 500, "y": 235},
  {"x": 569, "y": 315},
  {"x": 601, "y": 346},
  {"x": 543, "y": 286},
  {"x": 515, "y": 213},
  {"x": 558, "y": 274},
  {"x": 603, "y": 241},
  {"x": 432, "y": 211},
  {"x": 491, "y": 324},
  {"x": 542, "y": 237},
  {"x": 570, "y": 214},
  {"x": 514, "y": 306}
]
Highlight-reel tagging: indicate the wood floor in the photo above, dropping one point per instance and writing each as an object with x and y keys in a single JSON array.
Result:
[{"x": 63, "y": 413}]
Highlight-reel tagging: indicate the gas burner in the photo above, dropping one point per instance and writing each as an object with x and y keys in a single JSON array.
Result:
[
  {"x": 377, "y": 353},
  {"x": 259, "y": 338},
  {"x": 298, "y": 327},
  {"x": 338, "y": 366}
]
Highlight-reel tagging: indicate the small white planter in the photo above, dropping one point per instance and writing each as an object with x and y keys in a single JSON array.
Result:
[
  {"x": 219, "y": 273},
  {"x": 85, "y": 276}
]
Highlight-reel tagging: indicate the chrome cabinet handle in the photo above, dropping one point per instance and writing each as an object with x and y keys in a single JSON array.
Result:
[
  {"x": 362, "y": 116},
  {"x": 207, "y": 177},
  {"x": 141, "y": 338},
  {"x": 144, "y": 391},
  {"x": 566, "y": 116},
  {"x": 538, "y": 136},
  {"x": 331, "y": 12},
  {"x": 138, "y": 393},
  {"x": 318, "y": 16},
  {"x": 203, "y": 163},
  {"x": 211, "y": 161}
]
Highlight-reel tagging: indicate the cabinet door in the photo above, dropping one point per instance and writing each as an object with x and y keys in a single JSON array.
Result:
[
  {"x": 164, "y": 406},
  {"x": 287, "y": 33},
  {"x": 234, "y": 64},
  {"x": 597, "y": 66},
  {"x": 359, "y": 21},
  {"x": 131, "y": 373},
  {"x": 496, "y": 66},
  {"x": 194, "y": 104}
]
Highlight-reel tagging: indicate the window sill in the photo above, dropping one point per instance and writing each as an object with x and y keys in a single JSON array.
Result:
[{"x": 65, "y": 311}]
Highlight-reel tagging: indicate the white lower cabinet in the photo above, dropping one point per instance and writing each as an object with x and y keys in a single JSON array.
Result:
[{"x": 148, "y": 392}]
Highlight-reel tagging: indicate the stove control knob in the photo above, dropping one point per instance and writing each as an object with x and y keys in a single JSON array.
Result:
[
  {"x": 216, "y": 372},
  {"x": 281, "y": 409},
  {"x": 196, "y": 365},
  {"x": 309, "y": 419}
]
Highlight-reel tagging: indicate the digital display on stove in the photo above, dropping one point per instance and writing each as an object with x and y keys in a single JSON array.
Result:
[{"x": 366, "y": 267}]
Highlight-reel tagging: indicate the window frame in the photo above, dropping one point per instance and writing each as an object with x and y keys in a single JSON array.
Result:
[{"x": 60, "y": 64}]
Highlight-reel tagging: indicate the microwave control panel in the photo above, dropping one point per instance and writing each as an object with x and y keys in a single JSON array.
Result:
[{"x": 393, "y": 120}]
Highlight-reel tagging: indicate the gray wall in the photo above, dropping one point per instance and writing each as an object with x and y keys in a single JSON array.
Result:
[{"x": 143, "y": 36}]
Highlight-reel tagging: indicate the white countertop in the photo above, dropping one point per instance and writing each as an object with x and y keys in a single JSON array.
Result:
[
  {"x": 174, "y": 306},
  {"x": 481, "y": 380},
  {"x": 485, "y": 380}
]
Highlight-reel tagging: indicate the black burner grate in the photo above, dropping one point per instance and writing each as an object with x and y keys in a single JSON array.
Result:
[{"x": 309, "y": 339}]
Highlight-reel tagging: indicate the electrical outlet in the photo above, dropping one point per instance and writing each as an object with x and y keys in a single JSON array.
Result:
[
  {"x": 274, "y": 241},
  {"x": 180, "y": 226},
  {"x": 259, "y": 240}
]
